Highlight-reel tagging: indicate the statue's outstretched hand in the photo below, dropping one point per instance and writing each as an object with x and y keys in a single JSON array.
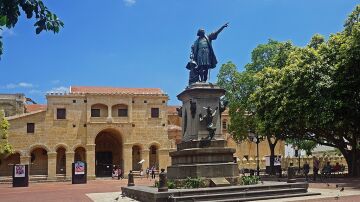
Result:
[{"x": 226, "y": 24}]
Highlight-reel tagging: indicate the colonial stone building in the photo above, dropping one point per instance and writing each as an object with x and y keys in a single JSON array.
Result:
[{"x": 104, "y": 127}]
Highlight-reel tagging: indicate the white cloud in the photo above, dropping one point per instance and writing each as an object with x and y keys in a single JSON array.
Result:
[
  {"x": 55, "y": 81},
  {"x": 6, "y": 32},
  {"x": 129, "y": 2},
  {"x": 38, "y": 92},
  {"x": 18, "y": 85},
  {"x": 61, "y": 89}
]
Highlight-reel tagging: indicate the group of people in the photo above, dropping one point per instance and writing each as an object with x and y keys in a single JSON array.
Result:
[
  {"x": 117, "y": 173},
  {"x": 150, "y": 171},
  {"x": 326, "y": 170}
]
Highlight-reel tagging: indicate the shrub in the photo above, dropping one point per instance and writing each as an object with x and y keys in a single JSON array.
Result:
[
  {"x": 248, "y": 180},
  {"x": 191, "y": 183}
]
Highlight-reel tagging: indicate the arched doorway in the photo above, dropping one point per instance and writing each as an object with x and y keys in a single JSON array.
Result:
[
  {"x": 39, "y": 162},
  {"x": 108, "y": 152},
  {"x": 60, "y": 161},
  {"x": 136, "y": 158},
  {"x": 6, "y": 164},
  {"x": 80, "y": 154},
  {"x": 154, "y": 157}
]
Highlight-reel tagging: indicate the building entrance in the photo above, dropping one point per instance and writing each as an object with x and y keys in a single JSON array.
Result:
[{"x": 108, "y": 152}]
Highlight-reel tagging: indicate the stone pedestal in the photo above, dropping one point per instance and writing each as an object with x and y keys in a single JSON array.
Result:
[{"x": 197, "y": 156}]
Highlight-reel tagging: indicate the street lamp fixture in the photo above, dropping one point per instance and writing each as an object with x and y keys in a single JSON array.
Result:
[{"x": 255, "y": 138}]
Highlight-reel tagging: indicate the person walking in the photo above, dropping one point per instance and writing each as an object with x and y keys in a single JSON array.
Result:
[
  {"x": 141, "y": 173},
  {"x": 119, "y": 173},
  {"x": 153, "y": 172},
  {"x": 306, "y": 168},
  {"x": 316, "y": 165},
  {"x": 147, "y": 172}
]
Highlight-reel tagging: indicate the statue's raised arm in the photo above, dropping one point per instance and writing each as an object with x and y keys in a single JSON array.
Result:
[{"x": 203, "y": 56}]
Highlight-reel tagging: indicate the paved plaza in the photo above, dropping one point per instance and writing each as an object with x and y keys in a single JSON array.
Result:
[{"x": 106, "y": 190}]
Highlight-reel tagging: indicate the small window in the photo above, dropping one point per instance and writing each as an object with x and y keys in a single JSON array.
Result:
[
  {"x": 154, "y": 112},
  {"x": 74, "y": 101},
  {"x": 224, "y": 125},
  {"x": 6, "y": 114},
  {"x": 61, "y": 113},
  {"x": 30, "y": 127},
  {"x": 95, "y": 112},
  {"x": 122, "y": 112}
]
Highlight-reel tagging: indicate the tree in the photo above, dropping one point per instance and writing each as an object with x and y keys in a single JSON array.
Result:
[
  {"x": 45, "y": 19},
  {"x": 5, "y": 147},
  {"x": 316, "y": 96},
  {"x": 240, "y": 87}
]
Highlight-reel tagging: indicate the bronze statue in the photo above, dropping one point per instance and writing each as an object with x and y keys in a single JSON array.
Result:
[
  {"x": 208, "y": 118},
  {"x": 203, "y": 57}
]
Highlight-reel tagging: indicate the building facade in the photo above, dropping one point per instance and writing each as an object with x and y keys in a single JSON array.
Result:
[
  {"x": 104, "y": 127},
  {"x": 101, "y": 126}
]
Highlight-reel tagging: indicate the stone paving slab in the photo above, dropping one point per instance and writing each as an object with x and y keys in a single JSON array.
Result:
[
  {"x": 109, "y": 197},
  {"x": 325, "y": 193}
]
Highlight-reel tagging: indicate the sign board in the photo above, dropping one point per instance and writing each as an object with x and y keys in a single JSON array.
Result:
[
  {"x": 79, "y": 172},
  {"x": 19, "y": 171},
  {"x": 79, "y": 168},
  {"x": 20, "y": 175},
  {"x": 277, "y": 160}
]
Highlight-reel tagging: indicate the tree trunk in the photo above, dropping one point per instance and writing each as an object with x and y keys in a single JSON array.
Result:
[
  {"x": 272, "y": 155},
  {"x": 352, "y": 161}
]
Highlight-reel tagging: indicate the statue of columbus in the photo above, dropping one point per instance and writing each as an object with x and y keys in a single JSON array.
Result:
[{"x": 203, "y": 57}]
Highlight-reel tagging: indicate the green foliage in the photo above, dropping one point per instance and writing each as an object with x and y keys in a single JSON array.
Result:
[
  {"x": 191, "y": 183},
  {"x": 171, "y": 184},
  {"x": 5, "y": 147},
  {"x": 45, "y": 19},
  {"x": 249, "y": 180},
  {"x": 306, "y": 145}
]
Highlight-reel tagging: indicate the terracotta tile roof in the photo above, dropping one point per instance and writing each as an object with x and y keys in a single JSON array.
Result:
[
  {"x": 35, "y": 107},
  {"x": 115, "y": 90},
  {"x": 172, "y": 109}
]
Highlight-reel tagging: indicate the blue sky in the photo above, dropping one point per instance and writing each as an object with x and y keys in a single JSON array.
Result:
[{"x": 146, "y": 43}]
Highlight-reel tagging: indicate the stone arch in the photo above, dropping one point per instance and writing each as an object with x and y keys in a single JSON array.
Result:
[
  {"x": 154, "y": 154},
  {"x": 60, "y": 159},
  {"x": 119, "y": 110},
  {"x": 137, "y": 149},
  {"x": 103, "y": 110},
  {"x": 108, "y": 151},
  {"x": 156, "y": 143},
  {"x": 80, "y": 154},
  {"x": 39, "y": 160},
  {"x": 6, "y": 164},
  {"x": 35, "y": 146},
  {"x": 63, "y": 145}
]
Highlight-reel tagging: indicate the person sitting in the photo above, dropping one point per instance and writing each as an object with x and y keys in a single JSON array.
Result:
[
  {"x": 327, "y": 169},
  {"x": 337, "y": 167}
]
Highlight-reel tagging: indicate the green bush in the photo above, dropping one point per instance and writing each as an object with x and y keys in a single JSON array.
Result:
[
  {"x": 191, "y": 183},
  {"x": 248, "y": 180},
  {"x": 170, "y": 184}
]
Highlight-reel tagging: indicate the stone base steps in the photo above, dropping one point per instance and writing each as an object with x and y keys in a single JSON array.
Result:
[{"x": 268, "y": 190}]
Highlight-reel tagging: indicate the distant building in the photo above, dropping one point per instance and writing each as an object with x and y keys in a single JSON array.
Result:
[
  {"x": 12, "y": 104},
  {"x": 104, "y": 127}
]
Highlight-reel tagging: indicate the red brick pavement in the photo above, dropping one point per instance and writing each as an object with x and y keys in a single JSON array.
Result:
[{"x": 63, "y": 191}]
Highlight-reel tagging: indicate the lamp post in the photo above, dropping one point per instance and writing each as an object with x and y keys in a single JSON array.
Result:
[
  {"x": 297, "y": 154},
  {"x": 255, "y": 138}
]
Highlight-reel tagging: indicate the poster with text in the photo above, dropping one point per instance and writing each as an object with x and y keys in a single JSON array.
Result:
[
  {"x": 79, "y": 168},
  {"x": 19, "y": 171}
]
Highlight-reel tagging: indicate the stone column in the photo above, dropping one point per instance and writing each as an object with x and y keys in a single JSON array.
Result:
[
  {"x": 145, "y": 156},
  {"x": 25, "y": 160},
  {"x": 51, "y": 165},
  {"x": 109, "y": 118},
  {"x": 90, "y": 160},
  {"x": 69, "y": 161},
  {"x": 163, "y": 158},
  {"x": 127, "y": 158}
]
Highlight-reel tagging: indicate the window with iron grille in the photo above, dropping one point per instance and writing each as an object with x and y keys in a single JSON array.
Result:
[
  {"x": 95, "y": 112},
  {"x": 154, "y": 112},
  {"x": 61, "y": 113},
  {"x": 30, "y": 128}
]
